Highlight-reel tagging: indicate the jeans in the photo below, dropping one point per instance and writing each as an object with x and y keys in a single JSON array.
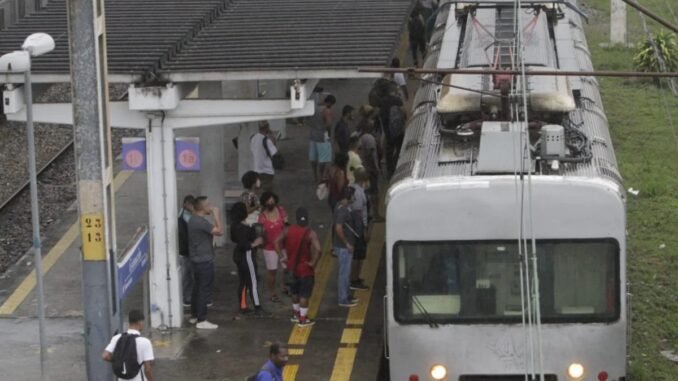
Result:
[
  {"x": 202, "y": 288},
  {"x": 344, "y": 258},
  {"x": 186, "y": 278}
]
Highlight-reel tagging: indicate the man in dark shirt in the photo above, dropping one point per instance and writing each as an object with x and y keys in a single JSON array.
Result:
[
  {"x": 182, "y": 231},
  {"x": 344, "y": 238},
  {"x": 342, "y": 132},
  {"x": 201, "y": 253},
  {"x": 392, "y": 143}
]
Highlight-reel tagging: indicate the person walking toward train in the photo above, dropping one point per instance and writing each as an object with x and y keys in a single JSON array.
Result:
[
  {"x": 201, "y": 234},
  {"x": 343, "y": 241},
  {"x": 359, "y": 227},
  {"x": 303, "y": 251},
  {"x": 246, "y": 242},
  {"x": 320, "y": 145},
  {"x": 273, "y": 217}
]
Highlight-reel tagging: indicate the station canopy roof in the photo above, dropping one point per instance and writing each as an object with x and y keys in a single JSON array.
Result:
[{"x": 194, "y": 40}]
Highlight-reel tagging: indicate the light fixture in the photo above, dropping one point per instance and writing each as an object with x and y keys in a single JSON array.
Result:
[
  {"x": 575, "y": 371},
  {"x": 438, "y": 372}
]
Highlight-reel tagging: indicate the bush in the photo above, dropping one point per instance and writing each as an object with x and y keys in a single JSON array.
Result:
[{"x": 646, "y": 60}]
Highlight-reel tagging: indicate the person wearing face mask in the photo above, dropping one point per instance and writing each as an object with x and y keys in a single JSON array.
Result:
[
  {"x": 273, "y": 218},
  {"x": 252, "y": 184}
]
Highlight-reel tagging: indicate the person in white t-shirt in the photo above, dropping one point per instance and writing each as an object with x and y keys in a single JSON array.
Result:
[
  {"x": 144, "y": 347},
  {"x": 399, "y": 79},
  {"x": 262, "y": 163}
]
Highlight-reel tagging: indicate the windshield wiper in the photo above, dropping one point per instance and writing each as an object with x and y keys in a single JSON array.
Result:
[{"x": 415, "y": 300}]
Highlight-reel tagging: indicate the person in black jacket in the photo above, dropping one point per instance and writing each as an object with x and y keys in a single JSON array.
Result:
[
  {"x": 246, "y": 242},
  {"x": 182, "y": 230}
]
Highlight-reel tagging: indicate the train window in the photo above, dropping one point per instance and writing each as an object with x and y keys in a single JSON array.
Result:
[{"x": 480, "y": 281}]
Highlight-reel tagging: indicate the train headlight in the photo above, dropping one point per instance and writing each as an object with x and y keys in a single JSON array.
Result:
[
  {"x": 575, "y": 371},
  {"x": 438, "y": 372}
]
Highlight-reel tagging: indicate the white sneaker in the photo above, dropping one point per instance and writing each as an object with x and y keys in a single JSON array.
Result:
[
  {"x": 206, "y": 325},
  {"x": 192, "y": 320}
]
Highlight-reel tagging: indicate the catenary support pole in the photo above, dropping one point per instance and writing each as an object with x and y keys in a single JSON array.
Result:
[
  {"x": 86, "y": 26},
  {"x": 35, "y": 218}
]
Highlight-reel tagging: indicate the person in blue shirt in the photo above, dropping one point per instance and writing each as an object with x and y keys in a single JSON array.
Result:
[{"x": 272, "y": 370}]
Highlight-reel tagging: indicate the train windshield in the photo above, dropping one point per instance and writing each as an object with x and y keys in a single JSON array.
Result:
[{"x": 480, "y": 281}]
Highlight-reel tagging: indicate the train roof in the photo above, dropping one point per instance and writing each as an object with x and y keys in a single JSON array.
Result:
[{"x": 552, "y": 42}]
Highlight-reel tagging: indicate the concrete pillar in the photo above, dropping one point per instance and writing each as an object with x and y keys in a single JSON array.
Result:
[
  {"x": 164, "y": 277},
  {"x": 617, "y": 22},
  {"x": 212, "y": 156},
  {"x": 212, "y": 169}
]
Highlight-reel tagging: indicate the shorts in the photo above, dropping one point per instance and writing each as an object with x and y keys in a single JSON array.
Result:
[
  {"x": 303, "y": 287},
  {"x": 320, "y": 152},
  {"x": 271, "y": 259}
]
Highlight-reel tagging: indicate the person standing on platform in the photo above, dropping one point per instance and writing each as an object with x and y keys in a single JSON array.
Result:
[
  {"x": 182, "y": 231},
  {"x": 393, "y": 117},
  {"x": 246, "y": 242},
  {"x": 273, "y": 217},
  {"x": 320, "y": 145},
  {"x": 252, "y": 184},
  {"x": 262, "y": 163},
  {"x": 272, "y": 370},
  {"x": 303, "y": 251},
  {"x": 399, "y": 79},
  {"x": 201, "y": 252},
  {"x": 370, "y": 158},
  {"x": 336, "y": 178},
  {"x": 417, "y": 33},
  {"x": 343, "y": 246},
  {"x": 342, "y": 131},
  {"x": 359, "y": 225},
  {"x": 121, "y": 343},
  {"x": 354, "y": 161}
]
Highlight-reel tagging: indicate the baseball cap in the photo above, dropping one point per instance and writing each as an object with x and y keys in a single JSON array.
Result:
[{"x": 302, "y": 216}]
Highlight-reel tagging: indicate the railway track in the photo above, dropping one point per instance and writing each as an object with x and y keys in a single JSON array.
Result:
[{"x": 40, "y": 170}]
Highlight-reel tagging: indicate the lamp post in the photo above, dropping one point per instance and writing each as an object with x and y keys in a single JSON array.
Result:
[{"x": 35, "y": 45}]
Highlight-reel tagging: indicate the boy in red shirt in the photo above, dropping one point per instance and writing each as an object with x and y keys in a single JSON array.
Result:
[{"x": 303, "y": 252}]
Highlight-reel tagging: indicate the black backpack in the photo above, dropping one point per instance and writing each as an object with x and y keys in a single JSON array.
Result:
[
  {"x": 125, "y": 365},
  {"x": 277, "y": 160},
  {"x": 396, "y": 121}
]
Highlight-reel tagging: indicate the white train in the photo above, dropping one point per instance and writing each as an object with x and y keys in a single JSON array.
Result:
[{"x": 455, "y": 301}]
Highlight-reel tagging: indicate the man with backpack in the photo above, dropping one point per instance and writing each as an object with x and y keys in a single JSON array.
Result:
[
  {"x": 392, "y": 116},
  {"x": 272, "y": 370},
  {"x": 303, "y": 252},
  {"x": 264, "y": 153},
  {"x": 130, "y": 352}
]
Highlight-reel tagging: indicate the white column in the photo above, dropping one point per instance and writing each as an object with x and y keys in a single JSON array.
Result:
[
  {"x": 165, "y": 290},
  {"x": 617, "y": 22},
  {"x": 212, "y": 169}
]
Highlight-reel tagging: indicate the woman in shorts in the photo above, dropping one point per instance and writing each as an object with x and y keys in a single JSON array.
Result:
[{"x": 273, "y": 218}]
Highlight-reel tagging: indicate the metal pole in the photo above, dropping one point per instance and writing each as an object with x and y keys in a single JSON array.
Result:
[
  {"x": 652, "y": 15},
  {"x": 555, "y": 73},
  {"x": 86, "y": 27},
  {"x": 35, "y": 218}
]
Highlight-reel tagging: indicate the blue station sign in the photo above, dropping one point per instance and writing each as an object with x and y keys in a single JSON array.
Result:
[{"x": 134, "y": 263}]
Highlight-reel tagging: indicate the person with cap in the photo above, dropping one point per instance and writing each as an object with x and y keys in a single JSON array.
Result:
[
  {"x": 344, "y": 239},
  {"x": 303, "y": 252}
]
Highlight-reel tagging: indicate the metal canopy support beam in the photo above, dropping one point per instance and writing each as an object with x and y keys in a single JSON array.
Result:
[
  {"x": 166, "y": 304},
  {"x": 189, "y": 114},
  {"x": 93, "y": 160}
]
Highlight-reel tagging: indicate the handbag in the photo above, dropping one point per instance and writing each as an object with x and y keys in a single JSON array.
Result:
[
  {"x": 277, "y": 160},
  {"x": 290, "y": 278},
  {"x": 322, "y": 191}
]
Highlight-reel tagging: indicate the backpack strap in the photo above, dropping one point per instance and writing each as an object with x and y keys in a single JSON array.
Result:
[{"x": 264, "y": 142}]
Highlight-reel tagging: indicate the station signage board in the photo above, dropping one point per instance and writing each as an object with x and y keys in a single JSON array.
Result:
[{"x": 134, "y": 263}]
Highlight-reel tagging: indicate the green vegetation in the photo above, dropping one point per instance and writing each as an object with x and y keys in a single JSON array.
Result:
[
  {"x": 647, "y": 151},
  {"x": 665, "y": 43}
]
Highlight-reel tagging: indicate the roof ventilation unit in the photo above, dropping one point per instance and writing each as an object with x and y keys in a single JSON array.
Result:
[
  {"x": 501, "y": 149},
  {"x": 553, "y": 141}
]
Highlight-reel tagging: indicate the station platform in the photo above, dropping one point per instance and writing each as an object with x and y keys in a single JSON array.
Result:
[{"x": 344, "y": 344}]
